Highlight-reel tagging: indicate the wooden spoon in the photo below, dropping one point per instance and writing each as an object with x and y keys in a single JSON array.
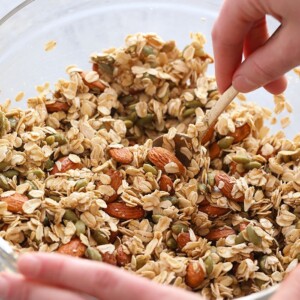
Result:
[{"x": 183, "y": 140}]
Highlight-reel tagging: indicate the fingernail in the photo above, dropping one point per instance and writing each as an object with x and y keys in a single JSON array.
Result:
[
  {"x": 243, "y": 84},
  {"x": 29, "y": 265},
  {"x": 3, "y": 287}
]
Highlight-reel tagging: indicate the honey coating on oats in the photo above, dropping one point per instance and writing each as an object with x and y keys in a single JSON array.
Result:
[{"x": 79, "y": 175}]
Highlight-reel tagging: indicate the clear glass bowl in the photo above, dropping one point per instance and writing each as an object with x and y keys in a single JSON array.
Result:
[{"x": 81, "y": 27}]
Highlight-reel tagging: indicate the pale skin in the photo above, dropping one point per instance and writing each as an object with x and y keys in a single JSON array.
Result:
[{"x": 240, "y": 28}]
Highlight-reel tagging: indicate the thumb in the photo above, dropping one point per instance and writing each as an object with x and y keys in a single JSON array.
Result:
[
  {"x": 269, "y": 62},
  {"x": 290, "y": 288}
]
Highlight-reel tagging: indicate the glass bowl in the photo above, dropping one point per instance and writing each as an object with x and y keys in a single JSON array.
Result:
[{"x": 81, "y": 27}]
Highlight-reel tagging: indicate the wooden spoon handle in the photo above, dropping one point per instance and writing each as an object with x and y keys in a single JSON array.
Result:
[{"x": 221, "y": 105}]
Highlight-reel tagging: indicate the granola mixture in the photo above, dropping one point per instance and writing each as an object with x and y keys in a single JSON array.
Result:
[{"x": 79, "y": 174}]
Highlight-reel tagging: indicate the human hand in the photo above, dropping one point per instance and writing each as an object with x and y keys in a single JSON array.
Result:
[
  {"x": 53, "y": 276},
  {"x": 241, "y": 28},
  {"x": 290, "y": 288}
]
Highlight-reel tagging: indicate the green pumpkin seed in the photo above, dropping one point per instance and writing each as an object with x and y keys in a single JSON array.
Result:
[
  {"x": 147, "y": 50},
  {"x": 211, "y": 178},
  {"x": 46, "y": 221},
  {"x": 193, "y": 104},
  {"x": 178, "y": 228},
  {"x": 188, "y": 112},
  {"x": 49, "y": 164},
  {"x": 81, "y": 183},
  {"x": 241, "y": 159},
  {"x": 11, "y": 173},
  {"x": 55, "y": 198},
  {"x": 141, "y": 260},
  {"x": 146, "y": 120},
  {"x": 93, "y": 254},
  {"x": 253, "y": 237},
  {"x": 128, "y": 124},
  {"x": 225, "y": 142},
  {"x": 155, "y": 218},
  {"x": 202, "y": 188},
  {"x": 132, "y": 107},
  {"x": 80, "y": 227},
  {"x": 171, "y": 243},
  {"x": 38, "y": 173},
  {"x": 3, "y": 183},
  {"x": 148, "y": 168},
  {"x": 253, "y": 165},
  {"x": 262, "y": 265},
  {"x": 60, "y": 139},
  {"x": 50, "y": 140},
  {"x": 132, "y": 117},
  {"x": 209, "y": 264},
  {"x": 106, "y": 68},
  {"x": 70, "y": 216},
  {"x": 100, "y": 237},
  {"x": 240, "y": 239},
  {"x": 174, "y": 200}
]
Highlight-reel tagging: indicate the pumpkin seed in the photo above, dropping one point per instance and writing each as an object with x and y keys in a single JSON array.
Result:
[
  {"x": 49, "y": 164},
  {"x": 211, "y": 178},
  {"x": 11, "y": 173},
  {"x": 155, "y": 218},
  {"x": 253, "y": 237},
  {"x": 81, "y": 183},
  {"x": 50, "y": 140},
  {"x": 202, "y": 188},
  {"x": 128, "y": 123},
  {"x": 171, "y": 243},
  {"x": 225, "y": 142},
  {"x": 241, "y": 159},
  {"x": 147, "y": 50},
  {"x": 209, "y": 264},
  {"x": 80, "y": 227},
  {"x": 3, "y": 165},
  {"x": 141, "y": 260},
  {"x": 240, "y": 239},
  {"x": 193, "y": 104},
  {"x": 3, "y": 183},
  {"x": 106, "y": 68},
  {"x": 262, "y": 265},
  {"x": 253, "y": 165},
  {"x": 126, "y": 99},
  {"x": 188, "y": 112},
  {"x": 149, "y": 168},
  {"x": 100, "y": 237},
  {"x": 178, "y": 228},
  {"x": 93, "y": 254},
  {"x": 174, "y": 200},
  {"x": 146, "y": 120},
  {"x": 70, "y": 216},
  {"x": 132, "y": 117}
]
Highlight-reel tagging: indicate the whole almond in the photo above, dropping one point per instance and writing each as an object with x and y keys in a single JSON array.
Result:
[
  {"x": 66, "y": 165},
  {"x": 74, "y": 248},
  {"x": 121, "y": 211},
  {"x": 166, "y": 184},
  {"x": 208, "y": 136},
  {"x": 182, "y": 239},
  {"x": 121, "y": 155},
  {"x": 214, "y": 150},
  {"x": 227, "y": 183},
  {"x": 57, "y": 106},
  {"x": 213, "y": 211},
  {"x": 109, "y": 258},
  {"x": 122, "y": 257},
  {"x": 216, "y": 234},
  {"x": 92, "y": 85},
  {"x": 241, "y": 133},
  {"x": 160, "y": 157},
  {"x": 194, "y": 274},
  {"x": 15, "y": 202}
]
